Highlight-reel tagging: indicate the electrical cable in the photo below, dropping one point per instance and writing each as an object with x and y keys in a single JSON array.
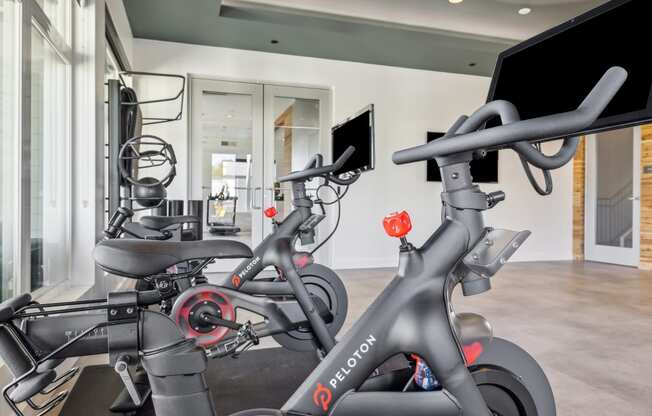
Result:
[{"x": 339, "y": 212}]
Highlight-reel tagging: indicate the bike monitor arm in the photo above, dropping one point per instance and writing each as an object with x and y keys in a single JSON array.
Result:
[
  {"x": 519, "y": 135},
  {"x": 314, "y": 169}
]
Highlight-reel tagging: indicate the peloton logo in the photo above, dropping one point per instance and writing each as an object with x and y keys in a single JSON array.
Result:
[
  {"x": 250, "y": 266},
  {"x": 323, "y": 395}
]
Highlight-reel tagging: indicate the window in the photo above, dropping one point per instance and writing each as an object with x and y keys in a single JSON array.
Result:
[
  {"x": 50, "y": 150},
  {"x": 58, "y": 13},
  {"x": 35, "y": 133},
  {"x": 9, "y": 71}
]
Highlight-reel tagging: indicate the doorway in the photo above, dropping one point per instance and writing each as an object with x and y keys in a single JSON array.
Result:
[
  {"x": 242, "y": 137},
  {"x": 613, "y": 197}
]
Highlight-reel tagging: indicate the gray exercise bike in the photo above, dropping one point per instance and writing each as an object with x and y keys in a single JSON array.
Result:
[
  {"x": 304, "y": 304},
  {"x": 477, "y": 374}
]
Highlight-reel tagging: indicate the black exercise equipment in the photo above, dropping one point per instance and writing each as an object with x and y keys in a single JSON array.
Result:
[
  {"x": 125, "y": 122},
  {"x": 477, "y": 374},
  {"x": 222, "y": 206},
  {"x": 315, "y": 291}
]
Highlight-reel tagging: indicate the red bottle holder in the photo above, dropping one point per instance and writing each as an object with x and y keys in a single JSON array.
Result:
[
  {"x": 397, "y": 224},
  {"x": 270, "y": 212}
]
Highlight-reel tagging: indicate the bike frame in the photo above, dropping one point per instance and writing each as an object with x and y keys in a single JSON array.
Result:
[
  {"x": 278, "y": 249},
  {"x": 412, "y": 315},
  {"x": 265, "y": 254}
]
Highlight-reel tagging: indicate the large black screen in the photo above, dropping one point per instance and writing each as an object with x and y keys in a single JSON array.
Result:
[
  {"x": 357, "y": 131},
  {"x": 554, "y": 71}
]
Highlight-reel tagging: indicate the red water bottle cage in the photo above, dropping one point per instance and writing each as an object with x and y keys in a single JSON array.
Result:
[
  {"x": 270, "y": 212},
  {"x": 397, "y": 224}
]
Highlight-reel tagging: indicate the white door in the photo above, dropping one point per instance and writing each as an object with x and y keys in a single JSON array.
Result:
[
  {"x": 297, "y": 126},
  {"x": 242, "y": 137},
  {"x": 226, "y": 161},
  {"x": 613, "y": 182}
]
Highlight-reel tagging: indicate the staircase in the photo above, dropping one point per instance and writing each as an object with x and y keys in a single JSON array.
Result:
[{"x": 614, "y": 218}]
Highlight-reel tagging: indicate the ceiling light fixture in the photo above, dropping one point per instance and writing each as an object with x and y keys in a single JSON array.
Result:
[
  {"x": 524, "y": 11},
  {"x": 273, "y": 41},
  {"x": 455, "y": 1}
]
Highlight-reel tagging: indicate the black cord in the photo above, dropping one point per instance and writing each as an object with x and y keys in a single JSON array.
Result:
[
  {"x": 547, "y": 178},
  {"x": 339, "y": 213},
  {"x": 339, "y": 196}
]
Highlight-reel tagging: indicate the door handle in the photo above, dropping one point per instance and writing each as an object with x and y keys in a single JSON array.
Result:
[{"x": 253, "y": 198}]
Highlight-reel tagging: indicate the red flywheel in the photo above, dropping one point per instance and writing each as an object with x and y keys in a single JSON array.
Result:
[{"x": 192, "y": 304}]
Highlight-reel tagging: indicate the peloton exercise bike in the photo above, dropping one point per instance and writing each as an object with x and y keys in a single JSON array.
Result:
[
  {"x": 320, "y": 293},
  {"x": 412, "y": 315},
  {"x": 302, "y": 310}
]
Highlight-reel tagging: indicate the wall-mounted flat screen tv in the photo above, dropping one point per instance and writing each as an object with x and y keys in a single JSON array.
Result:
[
  {"x": 483, "y": 170},
  {"x": 357, "y": 131},
  {"x": 554, "y": 71}
]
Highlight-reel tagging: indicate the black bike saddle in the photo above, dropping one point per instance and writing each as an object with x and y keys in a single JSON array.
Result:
[{"x": 138, "y": 259}]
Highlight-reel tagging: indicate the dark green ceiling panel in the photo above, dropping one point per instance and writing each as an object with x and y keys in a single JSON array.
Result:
[{"x": 204, "y": 22}]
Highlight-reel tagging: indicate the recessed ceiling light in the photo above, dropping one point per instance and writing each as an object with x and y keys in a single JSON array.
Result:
[
  {"x": 524, "y": 11},
  {"x": 455, "y": 1}
]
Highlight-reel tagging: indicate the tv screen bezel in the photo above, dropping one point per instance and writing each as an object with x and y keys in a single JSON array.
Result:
[
  {"x": 625, "y": 120},
  {"x": 372, "y": 136}
]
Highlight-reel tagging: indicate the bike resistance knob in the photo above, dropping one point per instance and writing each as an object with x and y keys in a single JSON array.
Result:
[
  {"x": 397, "y": 224},
  {"x": 270, "y": 212}
]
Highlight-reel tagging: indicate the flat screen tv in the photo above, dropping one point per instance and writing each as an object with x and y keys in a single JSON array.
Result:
[
  {"x": 483, "y": 170},
  {"x": 357, "y": 131},
  {"x": 554, "y": 71}
]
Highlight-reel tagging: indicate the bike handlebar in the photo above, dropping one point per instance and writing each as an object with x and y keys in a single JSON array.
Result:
[
  {"x": 310, "y": 171},
  {"x": 118, "y": 219},
  {"x": 519, "y": 134}
]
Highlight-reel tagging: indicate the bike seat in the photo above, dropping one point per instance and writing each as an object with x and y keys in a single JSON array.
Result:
[
  {"x": 156, "y": 222},
  {"x": 259, "y": 412},
  {"x": 138, "y": 259}
]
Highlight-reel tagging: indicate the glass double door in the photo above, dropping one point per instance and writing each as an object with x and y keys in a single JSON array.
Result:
[{"x": 244, "y": 136}]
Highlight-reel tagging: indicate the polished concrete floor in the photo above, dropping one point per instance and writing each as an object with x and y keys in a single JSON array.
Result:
[{"x": 588, "y": 324}]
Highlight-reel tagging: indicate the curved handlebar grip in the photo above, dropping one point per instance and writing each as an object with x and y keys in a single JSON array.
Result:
[
  {"x": 312, "y": 172},
  {"x": 339, "y": 163},
  {"x": 556, "y": 125},
  {"x": 317, "y": 161}
]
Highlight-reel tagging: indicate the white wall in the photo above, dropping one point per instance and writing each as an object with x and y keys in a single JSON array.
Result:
[{"x": 409, "y": 103}]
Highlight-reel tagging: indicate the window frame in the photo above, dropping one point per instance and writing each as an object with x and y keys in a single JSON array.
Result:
[{"x": 32, "y": 16}]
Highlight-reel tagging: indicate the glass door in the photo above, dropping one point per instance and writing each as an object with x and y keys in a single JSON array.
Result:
[
  {"x": 613, "y": 197},
  {"x": 297, "y": 126},
  {"x": 226, "y": 149}
]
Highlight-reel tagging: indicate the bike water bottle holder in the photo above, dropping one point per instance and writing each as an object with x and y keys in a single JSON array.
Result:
[{"x": 493, "y": 250}]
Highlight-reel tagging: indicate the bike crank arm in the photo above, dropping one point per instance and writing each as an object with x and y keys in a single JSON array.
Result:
[{"x": 214, "y": 320}]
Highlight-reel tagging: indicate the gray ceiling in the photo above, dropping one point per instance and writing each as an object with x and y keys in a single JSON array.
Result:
[{"x": 315, "y": 33}]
